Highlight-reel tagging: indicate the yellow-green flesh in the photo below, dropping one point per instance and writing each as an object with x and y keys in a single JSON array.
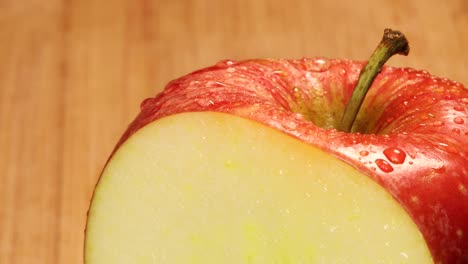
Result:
[{"x": 213, "y": 188}]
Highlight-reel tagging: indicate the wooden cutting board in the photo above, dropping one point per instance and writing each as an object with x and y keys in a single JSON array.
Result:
[{"x": 72, "y": 74}]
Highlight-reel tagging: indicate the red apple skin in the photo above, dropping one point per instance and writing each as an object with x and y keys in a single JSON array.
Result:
[{"x": 413, "y": 129}]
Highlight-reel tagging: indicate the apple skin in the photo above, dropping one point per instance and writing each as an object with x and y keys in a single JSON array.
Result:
[{"x": 411, "y": 135}]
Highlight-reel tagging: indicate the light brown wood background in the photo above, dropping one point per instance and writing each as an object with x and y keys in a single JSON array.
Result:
[{"x": 73, "y": 72}]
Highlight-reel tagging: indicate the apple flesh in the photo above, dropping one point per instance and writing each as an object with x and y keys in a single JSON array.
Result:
[
  {"x": 216, "y": 188},
  {"x": 409, "y": 140}
]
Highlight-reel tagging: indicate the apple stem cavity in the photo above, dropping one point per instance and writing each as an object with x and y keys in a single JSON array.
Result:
[{"x": 393, "y": 42}]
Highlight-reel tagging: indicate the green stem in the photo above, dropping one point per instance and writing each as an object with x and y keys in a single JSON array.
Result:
[{"x": 393, "y": 42}]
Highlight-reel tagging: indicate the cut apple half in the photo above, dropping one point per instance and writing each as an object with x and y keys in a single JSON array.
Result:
[{"x": 215, "y": 188}]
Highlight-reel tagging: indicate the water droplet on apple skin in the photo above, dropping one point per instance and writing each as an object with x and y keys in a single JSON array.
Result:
[
  {"x": 424, "y": 116},
  {"x": 456, "y": 131},
  {"x": 194, "y": 82},
  {"x": 384, "y": 165},
  {"x": 225, "y": 63},
  {"x": 432, "y": 100},
  {"x": 447, "y": 147},
  {"x": 317, "y": 65},
  {"x": 280, "y": 73},
  {"x": 458, "y": 120},
  {"x": 438, "y": 123},
  {"x": 395, "y": 155},
  {"x": 458, "y": 108},
  {"x": 363, "y": 153}
]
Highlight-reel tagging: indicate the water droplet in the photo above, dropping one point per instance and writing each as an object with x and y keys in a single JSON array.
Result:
[
  {"x": 231, "y": 69},
  {"x": 424, "y": 116},
  {"x": 395, "y": 155},
  {"x": 363, "y": 153},
  {"x": 225, "y": 63},
  {"x": 405, "y": 103},
  {"x": 447, "y": 147},
  {"x": 438, "y": 123},
  {"x": 458, "y": 108},
  {"x": 279, "y": 72},
  {"x": 318, "y": 65},
  {"x": 296, "y": 92},
  {"x": 458, "y": 120},
  {"x": 411, "y": 163},
  {"x": 456, "y": 131},
  {"x": 384, "y": 165},
  {"x": 415, "y": 199},
  {"x": 442, "y": 144},
  {"x": 342, "y": 71}
]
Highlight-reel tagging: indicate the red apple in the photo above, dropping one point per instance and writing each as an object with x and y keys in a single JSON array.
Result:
[{"x": 410, "y": 136}]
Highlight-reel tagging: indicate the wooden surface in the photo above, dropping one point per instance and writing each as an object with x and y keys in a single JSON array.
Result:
[{"x": 73, "y": 72}]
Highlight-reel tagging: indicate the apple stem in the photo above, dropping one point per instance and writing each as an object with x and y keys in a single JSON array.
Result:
[{"x": 393, "y": 42}]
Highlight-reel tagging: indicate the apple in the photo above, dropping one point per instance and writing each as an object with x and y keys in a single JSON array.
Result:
[{"x": 285, "y": 161}]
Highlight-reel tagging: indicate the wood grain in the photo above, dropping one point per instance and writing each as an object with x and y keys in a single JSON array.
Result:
[{"x": 73, "y": 72}]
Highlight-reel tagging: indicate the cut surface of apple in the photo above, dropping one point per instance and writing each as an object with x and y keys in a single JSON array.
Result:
[{"x": 215, "y": 188}]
